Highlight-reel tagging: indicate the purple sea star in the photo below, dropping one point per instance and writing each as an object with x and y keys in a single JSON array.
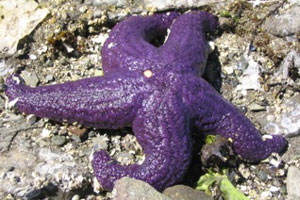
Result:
[{"x": 157, "y": 90}]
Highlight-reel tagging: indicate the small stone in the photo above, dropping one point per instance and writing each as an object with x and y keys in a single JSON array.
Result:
[
  {"x": 165, "y": 5},
  {"x": 91, "y": 134},
  {"x": 49, "y": 77},
  {"x": 274, "y": 189},
  {"x": 228, "y": 70},
  {"x": 125, "y": 158},
  {"x": 182, "y": 192},
  {"x": 31, "y": 119},
  {"x": 46, "y": 133},
  {"x": 100, "y": 142},
  {"x": 283, "y": 189},
  {"x": 62, "y": 130},
  {"x": 76, "y": 197},
  {"x": 5, "y": 68},
  {"x": 275, "y": 162},
  {"x": 250, "y": 79},
  {"x": 58, "y": 140},
  {"x": 99, "y": 73},
  {"x": 32, "y": 57},
  {"x": 74, "y": 130},
  {"x": 293, "y": 182},
  {"x": 256, "y": 107},
  {"x": 2, "y": 103},
  {"x": 129, "y": 188},
  {"x": 263, "y": 176},
  {"x": 265, "y": 194},
  {"x": 271, "y": 128},
  {"x": 118, "y": 3},
  {"x": 76, "y": 138},
  {"x": 30, "y": 79}
]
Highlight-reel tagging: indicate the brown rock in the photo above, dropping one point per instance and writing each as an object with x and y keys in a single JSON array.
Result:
[
  {"x": 131, "y": 189},
  {"x": 182, "y": 192},
  {"x": 74, "y": 130}
]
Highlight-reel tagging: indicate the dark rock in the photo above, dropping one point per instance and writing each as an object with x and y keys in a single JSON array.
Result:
[{"x": 217, "y": 153}]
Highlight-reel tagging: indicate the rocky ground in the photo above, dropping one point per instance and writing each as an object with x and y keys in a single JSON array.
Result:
[{"x": 255, "y": 64}]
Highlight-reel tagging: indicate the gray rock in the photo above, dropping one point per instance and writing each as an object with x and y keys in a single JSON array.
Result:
[
  {"x": 129, "y": 188},
  {"x": 293, "y": 182},
  {"x": 291, "y": 60},
  {"x": 100, "y": 142},
  {"x": 7, "y": 133},
  {"x": 125, "y": 158},
  {"x": 263, "y": 176},
  {"x": 30, "y": 78},
  {"x": 19, "y": 18},
  {"x": 2, "y": 103},
  {"x": 4, "y": 68},
  {"x": 287, "y": 23},
  {"x": 118, "y": 3},
  {"x": 49, "y": 78},
  {"x": 58, "y": 140},
  {"x": 293, "y": 152},
  {"x": 287, "y": 123},
  {"x": 31, "y": 119},
  {"x": 152, "y": 4},
  {"x": 256, "y": 107},
  {"x": 164, "y": 5},
  {"x": 182, "y": 192}
]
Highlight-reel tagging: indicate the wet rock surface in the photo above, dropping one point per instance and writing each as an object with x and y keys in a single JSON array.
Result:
[{"x": 43, "y": 159}]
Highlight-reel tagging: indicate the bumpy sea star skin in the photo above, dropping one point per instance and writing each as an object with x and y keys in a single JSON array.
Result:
[{"x": 158, "y": 91}]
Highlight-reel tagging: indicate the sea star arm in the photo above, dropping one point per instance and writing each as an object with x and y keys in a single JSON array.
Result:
[
  {"x": 129, "y": 43},
  {"x": 186, "y": 46},
  {"x": 218, "y": 116},
  {"x": 103, "y": 102},
  {"x": 162, "y": 129}
]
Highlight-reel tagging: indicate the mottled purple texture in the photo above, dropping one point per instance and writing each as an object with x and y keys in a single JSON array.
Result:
[{"x": 161, "y": 108}]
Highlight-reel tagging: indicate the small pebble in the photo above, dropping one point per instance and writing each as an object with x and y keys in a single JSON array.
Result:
[
  {"x": 58, "y": 140},
  {"x": 76, "y": 138},
  {"x": 31, "y": 119},
  {"x": 76, "y": 197},
  {"x": 46, "y": 133},
  {"x": 74, "y": 130},
  {"x": 274, "y": 189},
  {"x": 125, "y": 158},
  {"x": 91, "y": 134},
  {"x": 30, "y": 79},
  {"x": 263, "y": 176},
  {"x": 275, "y": 162},
  {"x": 2, "y": 103},
  {"x": 256, "y": 107},
  {"x": 100, "y": 142},
  {"x": 32, "y": 57},
  {"x": 265, "y": 194},
  {"x": 49, "y": 77}
]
